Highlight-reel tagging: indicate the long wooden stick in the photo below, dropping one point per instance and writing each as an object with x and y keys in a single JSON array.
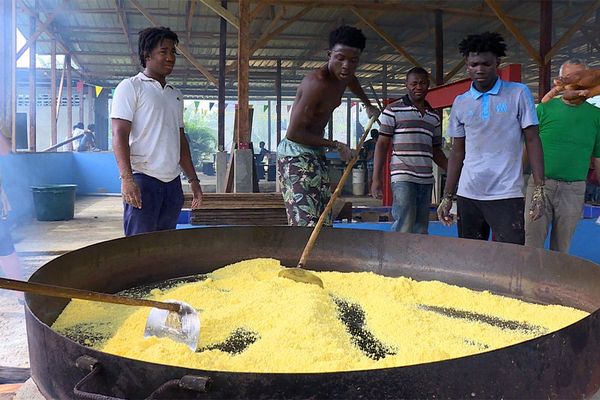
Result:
[
  {"x": 317, "y": 229},
  {"x": 70, "y": 293}
]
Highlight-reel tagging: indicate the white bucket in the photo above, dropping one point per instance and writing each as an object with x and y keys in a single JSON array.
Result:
[{"x": 358, "y": 181}]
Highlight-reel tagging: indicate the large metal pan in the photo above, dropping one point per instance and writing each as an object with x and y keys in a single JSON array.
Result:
[{"x": 564, "y": 364}]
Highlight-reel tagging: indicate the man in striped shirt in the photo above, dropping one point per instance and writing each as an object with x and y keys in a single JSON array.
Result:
[{"x": 414, "y": 130}]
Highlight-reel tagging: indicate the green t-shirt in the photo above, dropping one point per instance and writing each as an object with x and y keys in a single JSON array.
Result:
[{"x": 570, "y": 137}]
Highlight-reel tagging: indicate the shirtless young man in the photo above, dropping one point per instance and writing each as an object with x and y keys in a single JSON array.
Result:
[{"x": 301, "y": 155}]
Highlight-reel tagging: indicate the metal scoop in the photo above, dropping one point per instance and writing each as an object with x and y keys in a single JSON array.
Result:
[
  {"x": 299, "y": 274},
  {"x": 172, "y": 319}
]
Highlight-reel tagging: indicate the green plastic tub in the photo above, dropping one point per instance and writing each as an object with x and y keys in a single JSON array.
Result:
[{"x": 54, "y": 202}]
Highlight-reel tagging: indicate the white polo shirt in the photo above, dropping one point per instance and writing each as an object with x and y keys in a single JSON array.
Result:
[
  {"x": 492, "y": 124},
  {"x": 156, "y": 114}
]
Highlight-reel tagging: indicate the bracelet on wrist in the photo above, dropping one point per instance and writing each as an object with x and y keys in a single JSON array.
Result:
[
  {"x": 192, "y": 180},
  {"x": 448, "y": 195},
  {"x": 128, "y": 177}
]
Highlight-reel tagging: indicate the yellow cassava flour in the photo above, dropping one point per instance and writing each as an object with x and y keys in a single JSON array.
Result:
[{"x": 254, "y": 321}]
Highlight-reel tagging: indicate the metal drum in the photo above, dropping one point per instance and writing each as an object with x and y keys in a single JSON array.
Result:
[{"x": 564, "y": 364}]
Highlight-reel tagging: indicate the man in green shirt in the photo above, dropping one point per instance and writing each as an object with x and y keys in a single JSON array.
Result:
[{"x": 570, "y": 134}]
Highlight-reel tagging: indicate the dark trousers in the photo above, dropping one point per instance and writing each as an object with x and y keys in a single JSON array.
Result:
[
  {"x": 504, "y": 217},
  {"x": 161, "y": 205}
]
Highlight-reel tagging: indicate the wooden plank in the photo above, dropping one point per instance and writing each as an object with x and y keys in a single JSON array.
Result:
[
  {"x": 225, "y": 13},
  {"x": 385, "y": 36},
  {"x": 574, "y": 28},
  {"x": 512, "y": 28}
]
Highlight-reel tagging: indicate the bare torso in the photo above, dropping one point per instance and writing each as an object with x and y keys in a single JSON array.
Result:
[{"x": 317, "y": 96}]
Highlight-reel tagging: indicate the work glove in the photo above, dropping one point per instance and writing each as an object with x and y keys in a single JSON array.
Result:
[
  {"x": 443, "y": 210},
  {"x": 537, "y": 208}
]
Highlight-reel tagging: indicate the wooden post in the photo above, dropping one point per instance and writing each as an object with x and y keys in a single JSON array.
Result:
[
  {"x": 81, "y": 101},
  {"x": 545, "y": 72},
  {"x": 91, "y": 104},
  {"x": 278, "y": 101},
  {"x": 13, "y": 74},
  {"x": 349, "y": 121},
  {"x": 53, "y": 126},
  {"x": 67, "y": 65},
  {"x": 222, "y": 59},
  {"x": 439, "y": 47},
  {"x": 244, "y": 45},
  {"x": 32, "y": 143}
]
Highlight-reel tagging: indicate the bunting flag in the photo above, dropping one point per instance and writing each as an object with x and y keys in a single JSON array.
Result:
[
  {"x": 196, "y": 104},
  {"x": 265, "y": 107},
  {"x": 112, "y": 92},
  {"x": 98, "y": 90},
  {"x": 210, "y": 105},
  {"x": 80, "y": 86},
  {"x": 225, "y": 106},
  {"x": 288, "y": 108},
  {"x": 354, "y": 103}
]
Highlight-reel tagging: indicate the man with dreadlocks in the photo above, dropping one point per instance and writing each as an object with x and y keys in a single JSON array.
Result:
[
  {"x": 488, "y": 124},
  {"x": 148, "y": 139},
  {"x": 301, "y": 155}
]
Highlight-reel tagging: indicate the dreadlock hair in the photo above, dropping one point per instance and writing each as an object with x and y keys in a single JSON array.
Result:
[
  {"x": 483, "y": 42},
  {"x": 349, "y": 36},
  {"x": 417, "y": 71},
  {"x": 149, "y": 38}
]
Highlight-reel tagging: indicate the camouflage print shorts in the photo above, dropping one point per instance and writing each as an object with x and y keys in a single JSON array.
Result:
[{"x": 305, "y": 188}]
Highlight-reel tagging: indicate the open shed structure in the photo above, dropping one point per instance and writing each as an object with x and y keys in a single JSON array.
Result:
[{"x": 261, "y": 49}]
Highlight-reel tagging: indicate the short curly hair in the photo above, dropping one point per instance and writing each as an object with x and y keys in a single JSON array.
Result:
[
  {"x": 484, "y": 42},
  {"x": 349, "y": 36},
  {"x": 149, "y": 38}
]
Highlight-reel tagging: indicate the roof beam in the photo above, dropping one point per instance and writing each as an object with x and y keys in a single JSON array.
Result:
[
  {"x": 222, "y": 12},
  {"x": 191, "y": 10},
  {"x": 44, "y": 26},
  {"x": 183, "y": 48},
  {"x": 574, "y": 28},
  {"x": 508, "y": 23},
  {"x": 122, "y": 17},
  {"x": 267, "y": 38},
  {"x": 384, "y": 35}
]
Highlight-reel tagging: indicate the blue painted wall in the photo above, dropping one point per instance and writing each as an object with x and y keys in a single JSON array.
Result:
[{"x": 92, "y": 172}]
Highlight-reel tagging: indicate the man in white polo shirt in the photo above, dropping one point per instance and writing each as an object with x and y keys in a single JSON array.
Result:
[
  {"x": 489, "y": 123},
  {"x": 149, "y": 141}
]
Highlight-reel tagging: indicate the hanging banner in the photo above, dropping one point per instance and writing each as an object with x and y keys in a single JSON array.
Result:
[
  {"x": 98, "y": 90},
  {"x": 210, "y": 105},
  {"x": 80, "y": 86}
]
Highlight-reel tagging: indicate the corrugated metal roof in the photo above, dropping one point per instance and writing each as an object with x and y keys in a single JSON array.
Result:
[{"x": 94, "y": 33}]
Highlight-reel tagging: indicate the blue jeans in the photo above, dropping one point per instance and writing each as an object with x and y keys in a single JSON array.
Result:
[
  {"x": 161, "y": 206},
  {"x": 410, "y": 208}
]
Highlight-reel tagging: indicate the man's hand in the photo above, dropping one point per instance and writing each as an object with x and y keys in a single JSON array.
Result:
[
  {"x": 196, "y": 193},
  {"x": 584, "y": 79},
  {"x": 443, "y": 210},
  {"x": 576, "y": 86},
  {"x": 345, "y": 152},
  {"x": 376, "y": 191},
  {"x": 537, "y": 208},
  {"x": 372, "y": 111},
  {"x": 131, "y": 192}
]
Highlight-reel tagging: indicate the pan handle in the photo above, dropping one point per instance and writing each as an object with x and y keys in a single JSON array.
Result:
[{"x": 195, "y": 383}]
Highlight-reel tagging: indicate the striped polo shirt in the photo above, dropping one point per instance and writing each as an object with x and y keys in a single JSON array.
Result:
[{"x": 413, "y": 137}]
